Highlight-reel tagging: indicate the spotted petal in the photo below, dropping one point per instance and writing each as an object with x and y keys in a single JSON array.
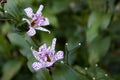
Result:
[
  {"x": 36, "y": 66},
  {"x": 47, "y": 64},
  {"x": 42, "y": 48},
  {"x": 40, "y": 9},
  {"x": 58, "y": 55},
  {"x": 31, "y": 31},
  {"x": 29, "y": 12},
  {"x": 42, "y": 29},
  {"x": 36, "y": 54},
  {"x": 44, "y": 22},
  {"x": 53, "y": 44}
]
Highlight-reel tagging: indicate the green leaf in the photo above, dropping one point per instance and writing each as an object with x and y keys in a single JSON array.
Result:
[
  {"x": 64, "y": 72},
  {"x": 4, "y": 46},
  {"x": 13, "y": 9},
  {"x": 31, "y": 60},
  {"x": 10, "y": 69},
  {"x": 19, "y": 41},
  {"x": 93, "y": 18},
  {"x": 60, "y": 5},
  {"x": 97, "y": 5},
  {"x": 24, "y": 47},
  {"x": 43, "y": 74},
  {"x": 98, "y": 48},
  {"x": 96, "y": 21},
  {"x": 105, "y": 21},
  {"x": 5, "y": 28},
  {"x": 97, "y": 73},
  {"x": 93, "y": 26},
  {"x": 80, "y": 70}
]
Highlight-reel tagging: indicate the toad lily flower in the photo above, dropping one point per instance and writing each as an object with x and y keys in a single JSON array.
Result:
[
  {"x": 36, "y": 21},
  {"x": 46, "y": 56}
]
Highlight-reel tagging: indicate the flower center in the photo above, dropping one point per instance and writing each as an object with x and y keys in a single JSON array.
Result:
[
  {"x": 49, "y": 59},
  {"x": 33, "y": 24}
]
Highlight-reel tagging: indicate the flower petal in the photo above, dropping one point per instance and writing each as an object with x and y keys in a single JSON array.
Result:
[
  {"x": 58, "y": 55},
  {"x": 42, "y": 48},
  {"x": 36, "y": 54},
  {"x": 42, "y": 29},
  {"x": 40, "y": 9},
  {"x": 53, "y": 44},
  {"x": 24, "y": 19},
  {"x": 36, "y": 66},
  {"x": 47, "y": 64},
  {"x": 44, "y": 22},
  {"x": 29, "y": 12},
  {"x": 31, "y": 31}
]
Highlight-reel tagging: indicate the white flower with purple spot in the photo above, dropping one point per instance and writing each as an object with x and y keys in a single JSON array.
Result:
[
  {"x": 46, "y": 56},
  {"x": 36, "y": 21}
]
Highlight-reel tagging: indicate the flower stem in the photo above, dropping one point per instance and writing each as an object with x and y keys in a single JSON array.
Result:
[
  {"x": 34, "y": 40},
  {"x": 50, "y": 72},
  {"x": 66, "y": 53}
]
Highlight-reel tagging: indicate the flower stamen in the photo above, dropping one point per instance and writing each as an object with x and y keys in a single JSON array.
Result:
[
  {"x": 33, "y": 23},
  {"x": 49, "y": 59}
]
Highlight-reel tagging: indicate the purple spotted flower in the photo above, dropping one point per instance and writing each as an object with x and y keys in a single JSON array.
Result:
[
  {"x": 36, "y": 21},
  {"x": 46, "y": 56}
]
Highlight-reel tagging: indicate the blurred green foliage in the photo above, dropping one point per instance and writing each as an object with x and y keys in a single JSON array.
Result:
[{"x": 93, "y": 23}]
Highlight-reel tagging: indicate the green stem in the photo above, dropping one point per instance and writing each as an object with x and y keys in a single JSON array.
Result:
[
  {"x": 78, "y": 46},
  {"x": 34, "y": 40},
  {"x": 66, "y": 53},
  {"x": 81, "y": 73},
  {"x": 50, "y": 72}
]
